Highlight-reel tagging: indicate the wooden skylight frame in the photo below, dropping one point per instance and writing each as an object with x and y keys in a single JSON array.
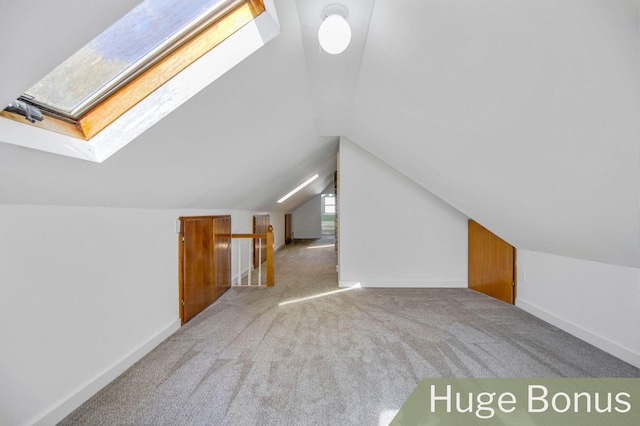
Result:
[{"x": 232, "y": 17}]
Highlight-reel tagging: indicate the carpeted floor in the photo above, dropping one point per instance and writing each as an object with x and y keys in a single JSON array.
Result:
[{"x": 307, "y": 353}]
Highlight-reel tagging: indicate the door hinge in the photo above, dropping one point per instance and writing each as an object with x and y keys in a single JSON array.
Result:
[
  {"x": 183, "y": 303},
  {"x": 513, "y": 283}
]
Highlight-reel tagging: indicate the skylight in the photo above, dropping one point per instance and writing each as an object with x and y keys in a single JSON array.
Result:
[
  {"x": 302, "y": 185},
  {"x": 140, "y": 38},
  {"x": 132, "y": 59}
]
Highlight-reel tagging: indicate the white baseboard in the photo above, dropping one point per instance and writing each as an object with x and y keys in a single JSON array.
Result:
[
  {"x": 67, "y": 405},
  {"x": 596, "y": 340},
  {"x": 404, "y": 284}
]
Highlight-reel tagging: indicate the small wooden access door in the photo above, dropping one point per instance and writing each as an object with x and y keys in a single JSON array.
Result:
[
  {"x": 287, "y": 228},
  {"x": 260, "y": 226},
  {"x": 491, "y": 264},
  {"x": 204, "y": 262}
]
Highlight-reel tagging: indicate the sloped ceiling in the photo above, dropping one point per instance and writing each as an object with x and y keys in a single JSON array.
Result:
[
  {"x": 522, "y": 114},
  {"x": 242, "y": 143}
]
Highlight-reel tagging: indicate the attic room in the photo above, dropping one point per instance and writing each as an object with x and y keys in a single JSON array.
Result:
[{"x": 520, "y": 115}]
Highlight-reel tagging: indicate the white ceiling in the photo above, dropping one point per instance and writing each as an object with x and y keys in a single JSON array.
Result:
[{"x": 523, "y": 114}]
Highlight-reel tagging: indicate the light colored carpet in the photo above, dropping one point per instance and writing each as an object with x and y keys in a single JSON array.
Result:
[{"x": 340, "y": 358}]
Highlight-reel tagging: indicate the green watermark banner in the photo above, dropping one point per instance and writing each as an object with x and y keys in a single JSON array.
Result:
[{"x": 531, "y": 401}]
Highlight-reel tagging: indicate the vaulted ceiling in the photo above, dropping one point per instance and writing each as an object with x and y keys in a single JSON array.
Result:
[{"x": 522, "y": 114}]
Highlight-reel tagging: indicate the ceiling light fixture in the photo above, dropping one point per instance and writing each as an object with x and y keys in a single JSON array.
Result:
[
  {"x": 334, "y": 33},
  {"x": 305, "y": 183}
]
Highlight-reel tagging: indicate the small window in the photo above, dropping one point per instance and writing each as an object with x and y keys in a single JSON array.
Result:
[
  {"x": 132, "y": 58},
  {"x": 329, "y": 205}
]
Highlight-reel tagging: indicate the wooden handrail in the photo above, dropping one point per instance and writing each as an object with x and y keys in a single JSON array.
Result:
[
  {"x": 248, "y": 235},
  {"x": 269, "y": 237}
]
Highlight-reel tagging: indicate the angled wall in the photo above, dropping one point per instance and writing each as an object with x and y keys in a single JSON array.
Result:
[
  {"x": 394, "y": 233},
  {"x": 307, "y": 219},
  {"x": 523, "y": 115},
  {"x": 87, "y": 292},
  {"x": 596, "y": 302}
]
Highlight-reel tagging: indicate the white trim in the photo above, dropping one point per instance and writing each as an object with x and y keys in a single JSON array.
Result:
[
  {"x": 404, "y": 284},
  {"x": 70, "y": 403},
  {"x": 596, "y": 340}
]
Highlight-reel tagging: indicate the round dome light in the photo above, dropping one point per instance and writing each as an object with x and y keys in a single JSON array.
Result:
[{"x": 334, "y": 34}]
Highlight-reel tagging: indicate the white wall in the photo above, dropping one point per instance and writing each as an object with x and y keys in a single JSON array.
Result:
[
  {"x": 306, "y": 220},
  {"x": 394, "y": 233},
  {"x": 277, "y": 221},
  {"x": 86, "y": 292},
  {"x": 597, "y": 302}
]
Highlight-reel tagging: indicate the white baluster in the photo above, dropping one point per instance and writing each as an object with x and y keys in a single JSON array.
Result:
[
  {"x": 250, "y": 263},
  {"x": 260, "y": 261},
  {"x": 239, "y": 261}
]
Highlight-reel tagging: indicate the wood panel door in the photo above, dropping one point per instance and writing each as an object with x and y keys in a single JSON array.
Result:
[
  {"x": 491, "y": 264},
  {"x": 204, "y": 262},
  {"x": 287, "y": 229},
  {"x": 197, "y": 266},
  {"x": 222, "y": 254},
  {"x": 260, "y": 226}
]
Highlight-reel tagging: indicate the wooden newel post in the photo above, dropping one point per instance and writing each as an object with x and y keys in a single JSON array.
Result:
[{"x": 270, "y": 256}]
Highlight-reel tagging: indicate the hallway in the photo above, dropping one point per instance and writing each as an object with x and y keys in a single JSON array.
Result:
[{"x": 308, "y": 353}]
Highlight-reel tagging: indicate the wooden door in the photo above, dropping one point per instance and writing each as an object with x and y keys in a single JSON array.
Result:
[
  {"x": 204, "y": 262},
  {"x": 287, "y": 228},
  {"x": 491, "y": 264},
  {"x": 222, "y": 254},
  {"x": 260, "y": 226}
]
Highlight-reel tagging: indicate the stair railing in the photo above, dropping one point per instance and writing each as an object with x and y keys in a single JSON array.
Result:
[{"x": 269, "y": 246}]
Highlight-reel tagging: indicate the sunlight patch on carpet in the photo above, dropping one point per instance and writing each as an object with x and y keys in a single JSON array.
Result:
[
  {"x": 387, "y": 416},
  {"x": 315, "y": 296}
]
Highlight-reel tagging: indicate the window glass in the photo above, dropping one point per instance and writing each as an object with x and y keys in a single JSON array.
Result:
[
  {"x": 329, "y": 205},
  {"x": 114, "y": 55}
]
